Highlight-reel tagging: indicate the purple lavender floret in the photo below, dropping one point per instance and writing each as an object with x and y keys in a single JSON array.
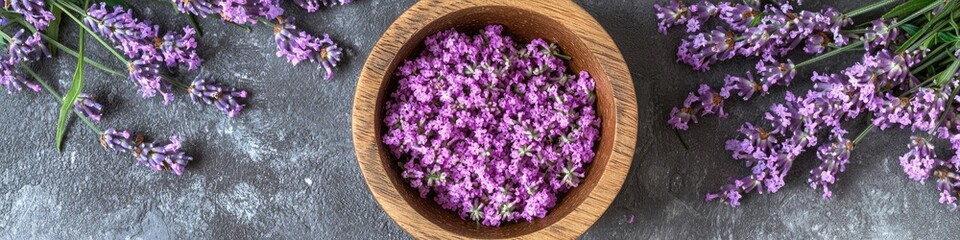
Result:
[
  {"x": 879, "y": 35},
  {"x": 248, "y": 11},
  {"x": 20, "y": 51},
  {"x": 119, "y": 141},
  {"x": 705, "y": 49},
  {"x": 834, "y": 156},
  {"x": 224, "y": 97},
  {"x": 490, "y": 128},
  {"x": 738, "y": 16},
  {"x": 705, "y": 101},
  {"x": 12, "y": 78},
  {"x": 919, "y": 162},
  {"x": 774, "y": 73},
  {"x": 297, "y": 46},
  {"x": 744, "y": 87},
  {"x": 198, "y": 7},
  {"x": 678, "y": 13},
  {"x": 680, "y": 118},
  {"x": 89, "y": 107},
  {"x": 146, "y": 74},
  {"x": 34, "y": 11},
  {"x": 27, "y": 50},
  {"x": 163, "y": 155},
  {"x": 180, "y": 49},
  {"x": 134, "y": 37},
  {"x": 314, "y": 5}
]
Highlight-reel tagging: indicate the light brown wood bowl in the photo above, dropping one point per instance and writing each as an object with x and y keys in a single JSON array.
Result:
[{"x": 559, "y": 21}]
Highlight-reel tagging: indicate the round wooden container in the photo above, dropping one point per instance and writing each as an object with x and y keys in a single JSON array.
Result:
[{"x": 559, "y": 21}]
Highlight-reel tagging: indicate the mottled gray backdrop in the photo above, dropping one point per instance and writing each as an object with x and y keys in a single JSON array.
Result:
[{"x": 286, "y": 168}]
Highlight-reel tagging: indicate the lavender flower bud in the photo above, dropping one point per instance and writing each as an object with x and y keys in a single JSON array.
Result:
[
  {"x": 27, "y": 50},
  {"x": 743, "y": 86},
  {"x": 919, "y": 162},
  {"x": 33, "y": 11},
  {"x": 314, "y": 5},
  {"x": 297, "y": 46},
  {"x": 86, "y": 105},
  {"x": 146, "y": 75},
  {"x": 135, "y": 37},
  {"x": 117, "y": 141},
  {"x": 879, "y": 35},
  {"x": 200, "y": 8},
  {"x": 247, "y": 11},
  {"x": 224, "y": 97},
  {"x": 678, "y": 13},
  {"x": 159, "y": 156},
  {"x": 835, "y": 157},
  {"x": 180, "y": 49},
  {"x": 11, "y": 77}
]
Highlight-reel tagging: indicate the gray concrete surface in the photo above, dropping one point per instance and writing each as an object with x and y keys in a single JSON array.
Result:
[{"x": 286, "y": 168}]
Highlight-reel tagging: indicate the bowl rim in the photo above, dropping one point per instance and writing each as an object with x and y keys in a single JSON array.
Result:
[{"x": 421, "y": 14}]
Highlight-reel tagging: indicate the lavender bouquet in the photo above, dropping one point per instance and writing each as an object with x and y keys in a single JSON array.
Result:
[
  {"x": 907, "y": 78},
  {"x": 150, "y": 57}
]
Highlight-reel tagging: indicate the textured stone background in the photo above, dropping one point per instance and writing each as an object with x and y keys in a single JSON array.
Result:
[{"x": 286, "y": 169}]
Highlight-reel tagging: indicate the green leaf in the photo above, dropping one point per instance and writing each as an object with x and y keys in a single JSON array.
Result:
[
  {"x": 947, "y": 37},
  {"x": 948, "y": 74},
  {"x": 910, "y": 29},
  {"x": 907, "y": 8},
  {"x": 75, "y": 87},
  {"x": 53, "y": 28},
  {"x": 196, "y": 25}
]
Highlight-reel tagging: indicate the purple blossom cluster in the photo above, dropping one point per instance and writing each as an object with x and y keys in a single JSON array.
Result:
[
  {"x": 297, "y": 46},
  {"x": 704, "y": 102},
  {"x": 490, "y": 128},
  {"x": 314, "y": 5},
  {"x": 750, "y": 29},
  {"x": 160, "y": 155},
  {"x": 836, "y": 98},
  {"x": 20, "y": 50},
  {"x": 88, "y": 106},
  {"x": 141, "y": 43},
  {"x": 226, "y": 98},
  {"x": 293, "y": 44},
  {"x": 34, "y": 12}
]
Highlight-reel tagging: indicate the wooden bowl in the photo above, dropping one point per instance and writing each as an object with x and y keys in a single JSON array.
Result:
[{"x": 558, "y": 21}]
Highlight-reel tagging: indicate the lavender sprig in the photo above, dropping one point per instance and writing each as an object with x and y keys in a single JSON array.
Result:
[
  {"x": 89, "y": 107},
  {"x": 314, "y": 5},
  {"x": 297, "y": 46},
  {"x": 224, "y": 97},
  {"x": 34, "y": 11}
]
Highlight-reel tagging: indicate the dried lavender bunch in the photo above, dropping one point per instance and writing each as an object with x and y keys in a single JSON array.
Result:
[
  {"x": 491, "y": 128},
  {"x": 901, "y": 81}
]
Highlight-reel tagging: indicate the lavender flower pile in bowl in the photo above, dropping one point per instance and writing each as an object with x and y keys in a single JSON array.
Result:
[{"x": 544, "y": 162}]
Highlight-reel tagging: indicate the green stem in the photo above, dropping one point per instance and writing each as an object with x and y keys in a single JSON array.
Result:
[
  {"x": 868, "y": 8},
  {"x": 831, "y": 53},
  {"x": 863, "y": 134},
  {"x": 267, "y": 22},
  {"x": 59, "y": 98},
  {"x": 917, "y": 14}
]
